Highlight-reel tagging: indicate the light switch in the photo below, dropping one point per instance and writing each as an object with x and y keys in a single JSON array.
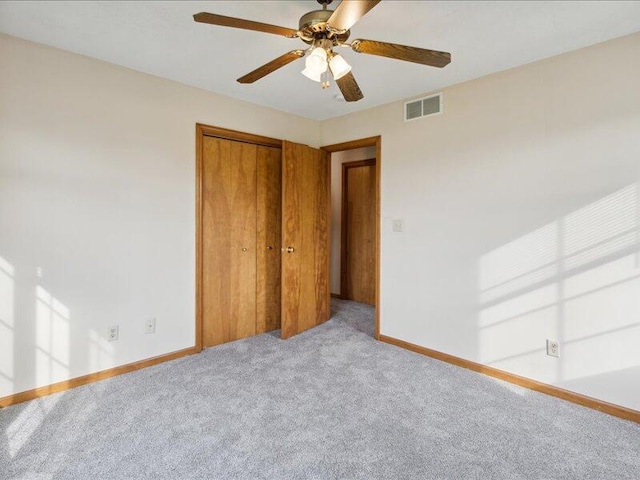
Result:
[{"x": 396, "y": 225}]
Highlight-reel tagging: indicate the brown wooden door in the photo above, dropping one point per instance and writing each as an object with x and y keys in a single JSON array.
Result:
[
  {"x": 358, "y": 230},
  {"x": 229, "y": 241},
  {"x": 305, "y": 238},
  {"x": 269, "y": 196}
]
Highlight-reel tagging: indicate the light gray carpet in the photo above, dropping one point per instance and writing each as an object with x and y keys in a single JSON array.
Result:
[{"x": 331, "y": 403}]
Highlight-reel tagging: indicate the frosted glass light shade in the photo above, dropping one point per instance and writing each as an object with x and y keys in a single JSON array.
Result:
[
  {"x": 318, "y": 52},
  {"x": 339, "y": 67},
  {"x": 312, "y": 74},
  {"x": 315, "y": 64}
]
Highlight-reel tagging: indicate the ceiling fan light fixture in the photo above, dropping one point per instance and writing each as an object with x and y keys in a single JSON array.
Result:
[
  {"x": 317, "y": 61},
  {"x": 312, "y": 74},
  {"x": 339, "y": 67},
  {"x": 316, "y": 64},
  {"x": 318, "y": 52}
]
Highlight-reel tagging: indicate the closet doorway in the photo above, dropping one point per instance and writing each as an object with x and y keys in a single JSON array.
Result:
[{"x": 262, "y": 236}]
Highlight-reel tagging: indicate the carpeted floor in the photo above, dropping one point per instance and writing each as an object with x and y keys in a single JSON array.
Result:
[{"x": 331, "y": 403}]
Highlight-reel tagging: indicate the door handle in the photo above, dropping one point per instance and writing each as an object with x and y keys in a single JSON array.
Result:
[
  {"x": 269, "y": 247},
  {"x": 290, "y": 249},
  {"x": 244, "y": 249}
]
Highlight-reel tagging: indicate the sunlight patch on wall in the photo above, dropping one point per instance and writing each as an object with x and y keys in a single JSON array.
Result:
[
  {"x": 521, "y": 305},
  {"x": 575, "y": 280},
  {"x": 520, "y": 320},
  {"x": 522, "y": 331},
  {"x": 527, "y": 261},
  {"x": 601, "y": 222},
  {"x": 606, "y": 352},
  {"x": 609, "y": 291},
  {"x": 600, "y": 251},
  {"x": 7, "y": 272},
  {"x": 52, "y": 338},
  {"x": 601, "y": 328}
]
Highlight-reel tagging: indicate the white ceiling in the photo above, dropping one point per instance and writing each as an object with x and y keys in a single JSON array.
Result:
[{"x": 161, "y": 38}]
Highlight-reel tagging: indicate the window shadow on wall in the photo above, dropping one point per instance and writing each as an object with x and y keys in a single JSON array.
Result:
[
  {"x": 575, "y": 280},
  {"x": 40, "y": 350}
]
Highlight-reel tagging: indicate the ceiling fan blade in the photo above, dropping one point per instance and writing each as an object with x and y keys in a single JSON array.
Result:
[
  {"x": 213, "y": 19},
  {"x": 349, "y": 88},
  {"x": 348, "y": 13},
  {"x": 432, "y": 58},
  {"x": 272, "y": 66}
]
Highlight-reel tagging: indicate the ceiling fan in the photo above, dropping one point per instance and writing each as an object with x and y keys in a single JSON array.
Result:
[{"x": 324, "y": 30}]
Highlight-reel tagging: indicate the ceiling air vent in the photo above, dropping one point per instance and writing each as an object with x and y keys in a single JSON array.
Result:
[{"x": 423, "y": 107}]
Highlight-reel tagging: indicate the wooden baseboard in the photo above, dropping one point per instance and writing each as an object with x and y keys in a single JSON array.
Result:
[
  {"x": 92, "y": 377},
  {"x": 336, "y": 295},
  {"x": 605, "y": 407}
]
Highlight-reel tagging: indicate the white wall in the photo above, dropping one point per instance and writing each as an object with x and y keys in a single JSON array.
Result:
[
  {"x": 97, "y": 209},
  {"x": 522, "y": 220},
  {"x": 337, "y": 159}
]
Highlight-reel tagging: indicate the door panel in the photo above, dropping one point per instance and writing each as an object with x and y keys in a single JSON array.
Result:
[
  {"x": 229, "y": 241},
  {"x": 305, "y": 228},
  {"x": 360, "y": 233},
  {"x": 269, "y": 211},
  {"x": 242, "y": 281}
]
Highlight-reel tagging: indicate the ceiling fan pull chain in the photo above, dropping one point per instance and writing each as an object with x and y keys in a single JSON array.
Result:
[{"x": 324, "y": 80}]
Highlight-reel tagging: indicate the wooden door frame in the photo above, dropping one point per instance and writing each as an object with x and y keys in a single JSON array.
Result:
[
  {"x": 210, "y": 131},
  {"x": 352, "y": 145},
  {"x": 344, "y": 265}
]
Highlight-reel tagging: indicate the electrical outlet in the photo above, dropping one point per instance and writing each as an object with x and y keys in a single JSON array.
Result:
[
  {"x": 112, "y": 333},
  {"x": 150, "y": 325},
  {"x": 396, "y": 225},
  {"x": 553, "y": 348}
]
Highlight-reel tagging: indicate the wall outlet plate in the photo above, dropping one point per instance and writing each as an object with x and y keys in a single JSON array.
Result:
[
  {"x": 396, "y": 225},
  {"x": 112, "y": 333},
  {"x": 553, "y": 348},
  {"x": 150, "y": 325}
]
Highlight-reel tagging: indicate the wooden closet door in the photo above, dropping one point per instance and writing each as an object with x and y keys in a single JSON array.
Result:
[
  {"x": 268, "y": 239},
  {"x": 228, "y": 241},
  {"x": 305, "y": 238}
]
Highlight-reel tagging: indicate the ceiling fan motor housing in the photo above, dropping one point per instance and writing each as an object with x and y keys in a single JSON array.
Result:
[{"x": 313, "y": 26}]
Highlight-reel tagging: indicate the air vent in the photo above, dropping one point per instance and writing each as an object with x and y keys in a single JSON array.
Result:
[{"x": 423, "y": 107}]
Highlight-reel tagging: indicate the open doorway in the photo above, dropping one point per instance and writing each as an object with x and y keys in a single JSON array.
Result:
[{"x": 355, "y": 222}]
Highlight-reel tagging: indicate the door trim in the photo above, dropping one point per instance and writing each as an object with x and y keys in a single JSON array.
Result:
[
  {"x": 344, "y": 265},
  {"x": 369, "y": 142},
  {"x": 211, "y": 131}
]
